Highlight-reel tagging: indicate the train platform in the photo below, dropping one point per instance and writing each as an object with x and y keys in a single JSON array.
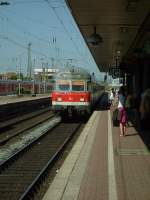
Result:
[
  {"x": 102, "y": 165},
  {"x": 15, "y": 98}
]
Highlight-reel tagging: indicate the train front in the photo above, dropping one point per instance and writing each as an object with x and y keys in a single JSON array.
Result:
[{"x": 71, "y": 94}]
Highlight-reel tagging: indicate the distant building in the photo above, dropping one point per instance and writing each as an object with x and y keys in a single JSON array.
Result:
[
  {"x": 7, "y": 76},
  {"x": 45, "y": 74},
  {"x": 3, "y": 77}
]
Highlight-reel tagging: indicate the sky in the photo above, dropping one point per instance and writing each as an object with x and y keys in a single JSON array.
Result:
[{"x": 50, "y": 29}]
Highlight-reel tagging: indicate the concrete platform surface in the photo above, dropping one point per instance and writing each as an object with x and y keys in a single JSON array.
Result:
[{"x": 104, "y": 166}]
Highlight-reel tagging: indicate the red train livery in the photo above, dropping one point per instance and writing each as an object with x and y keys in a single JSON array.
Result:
[
  {"x": 8, "y": 87},
  {"x": 75, "y": 91}
]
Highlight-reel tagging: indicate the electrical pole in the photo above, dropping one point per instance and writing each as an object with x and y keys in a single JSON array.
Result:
[
  {"x": 52, "y": 62},
  {"x": 33, "y": 80},
  {"x": 19, "y": 77},
  {"x": 29, "y": 68},
  {"x": 44, "y": 75}
]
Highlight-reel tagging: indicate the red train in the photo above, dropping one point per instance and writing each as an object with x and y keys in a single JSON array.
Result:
[
  {"x": 8, "y": 87},
  {"x": 75, "y": 91}
]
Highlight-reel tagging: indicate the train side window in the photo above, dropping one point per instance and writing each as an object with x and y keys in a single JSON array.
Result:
[{"x": 89, "y": 87}]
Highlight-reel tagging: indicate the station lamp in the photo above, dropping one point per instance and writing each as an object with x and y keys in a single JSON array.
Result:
[{"x": 95, "y": 39}]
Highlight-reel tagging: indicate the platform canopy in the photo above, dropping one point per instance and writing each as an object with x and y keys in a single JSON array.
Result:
[{"x": 123, "y": 27}]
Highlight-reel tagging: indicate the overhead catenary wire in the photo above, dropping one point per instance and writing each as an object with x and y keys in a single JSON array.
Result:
[
  {"x": 61, "y": 52},
  {"x": 19, "y": 44},
  {"x": 41, "y": 39},
  {"x": 26, "y": 32},
  {"x": 25, "y": 47},
  {"x": 49, "y": 42},
  {"x": 22, "y": 46},
  {"x": 87, "y": 48},
  {"x": 14, "y": 2},
  {"x": 28, "y": 2},
  {"x": 30, "y": 19},
  {"x": 61, "y": 22}
]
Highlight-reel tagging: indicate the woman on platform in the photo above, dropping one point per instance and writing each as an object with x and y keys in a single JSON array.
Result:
[{"x": 122, "y": 115}]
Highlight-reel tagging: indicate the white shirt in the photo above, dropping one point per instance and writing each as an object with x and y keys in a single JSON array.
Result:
[
  {"x": 121, "y": 99},
  {"x": 111, "y": 96}
]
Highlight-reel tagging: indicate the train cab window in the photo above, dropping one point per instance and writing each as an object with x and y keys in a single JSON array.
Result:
[
  {"x": 77, "y": 85},
  {"x": 63, "y": 85}
]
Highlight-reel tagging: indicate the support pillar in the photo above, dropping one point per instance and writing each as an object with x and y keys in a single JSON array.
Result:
[
  {"x": 138, "y": 79},
  {"x": 146, "y": 74}
]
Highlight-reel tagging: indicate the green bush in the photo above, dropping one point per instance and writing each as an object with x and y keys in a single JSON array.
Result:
[
  {"x": 27, "y": 92},
  {"x": 21, "y": 90}
]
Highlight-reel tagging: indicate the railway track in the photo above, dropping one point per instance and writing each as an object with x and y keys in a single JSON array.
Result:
[
  {"x": 21, "y": 124},
  {"x": 6, "y": 123},
  {"x": 14, "y": 109},
  {"x": 21, "y": 174}
]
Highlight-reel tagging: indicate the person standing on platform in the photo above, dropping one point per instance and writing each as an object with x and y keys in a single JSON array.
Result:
[
  {"x": 112, "y": 96},
  {"x": 145, "y": 110},
  {"x": 122, "y": 116}
]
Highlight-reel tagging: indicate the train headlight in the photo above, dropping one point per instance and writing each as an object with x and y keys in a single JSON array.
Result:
[
  {"x": 59, "y": 99},
  {"x": 81, "y": 99}
]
